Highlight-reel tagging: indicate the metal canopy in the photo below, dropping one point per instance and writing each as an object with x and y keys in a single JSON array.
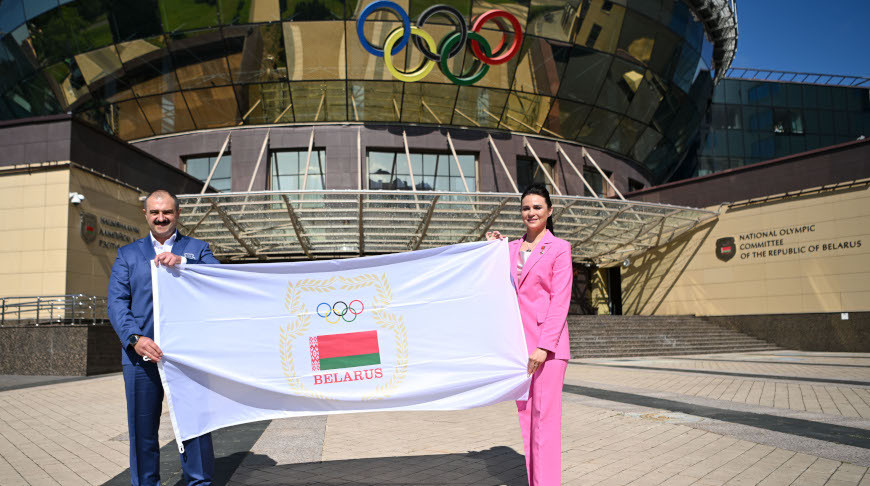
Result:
[{"x": 292, "y": 225}]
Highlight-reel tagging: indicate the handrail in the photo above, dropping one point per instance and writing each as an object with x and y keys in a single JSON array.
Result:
[{"x": 53, "y": 309}]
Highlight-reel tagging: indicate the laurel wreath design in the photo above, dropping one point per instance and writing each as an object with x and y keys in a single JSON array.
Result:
[{"x": 386, "y": 320}]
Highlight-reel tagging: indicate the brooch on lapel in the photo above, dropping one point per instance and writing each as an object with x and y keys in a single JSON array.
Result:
[
  {"x": 188, "y": 256},
  {"x": 543, "y": 249}
]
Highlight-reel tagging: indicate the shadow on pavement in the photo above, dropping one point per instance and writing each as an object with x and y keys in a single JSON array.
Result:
[
  {"x": 495, "y": 466},
  {"x": 231, "y": 446}
]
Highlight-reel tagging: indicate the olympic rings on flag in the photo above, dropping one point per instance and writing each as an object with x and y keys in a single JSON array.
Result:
[
  {"x": 340, "y": 310},
  {"x": 449, "y": 47}
]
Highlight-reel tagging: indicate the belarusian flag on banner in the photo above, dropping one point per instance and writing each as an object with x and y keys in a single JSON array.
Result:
[
  {"x": 334, "y": 351},
  {"x": 435, "y": 329}
]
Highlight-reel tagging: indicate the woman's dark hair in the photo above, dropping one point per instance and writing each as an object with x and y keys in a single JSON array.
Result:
[{"x": 539, "y": 189}]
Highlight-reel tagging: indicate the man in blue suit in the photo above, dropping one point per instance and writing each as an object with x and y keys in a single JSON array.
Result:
[{"x": 132, "y": 315}]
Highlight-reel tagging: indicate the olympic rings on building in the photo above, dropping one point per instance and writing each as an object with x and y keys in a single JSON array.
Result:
[
  {"x": 340, "y": 310},
  {"x": 424, "y": 69},
  {"x": 480, "y": 70},
  {"x": 383, "y": 4},
  {"x": 459, "y": 22},
  {"x": 451, "y": 46},
  {"x": 518, "y": 36}
]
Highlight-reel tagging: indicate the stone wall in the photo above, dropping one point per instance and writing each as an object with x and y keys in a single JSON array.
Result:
[
  {"x": 61, "y": 350},
  {"x": 806, "y": 332}
]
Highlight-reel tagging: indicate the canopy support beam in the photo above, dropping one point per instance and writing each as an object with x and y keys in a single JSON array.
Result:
[
  {"x": 503, "y": 165},
  {"x": 410, "y": 169},
  {"x": 216, "y": 162},
  {"x": 297, "y": 227},
  {"x": 541, "y": 165},
  {"x": 423, "y": 227},
  {"x": 231, "y": 225}
]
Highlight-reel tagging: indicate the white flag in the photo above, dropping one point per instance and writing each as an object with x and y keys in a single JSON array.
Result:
[{"x": 436, "y": 329}]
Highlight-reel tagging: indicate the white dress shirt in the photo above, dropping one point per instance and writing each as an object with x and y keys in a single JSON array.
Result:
[{"x": 166, "y": 246}]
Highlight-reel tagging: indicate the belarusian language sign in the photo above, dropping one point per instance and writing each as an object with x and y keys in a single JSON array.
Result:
[{"x": 436, "y": 329}]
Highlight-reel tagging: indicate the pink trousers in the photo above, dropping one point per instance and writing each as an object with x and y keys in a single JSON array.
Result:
[{"x": 541, "y": 423}]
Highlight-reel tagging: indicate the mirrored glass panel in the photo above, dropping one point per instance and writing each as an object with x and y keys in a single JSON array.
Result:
[
  {"x": 49, "y": 37},
  {"x": 428, "y": 103},
  {"x": 134, "y": 19},
  {"x": 148, "y": 66},
  {"x": 525, "y": 112},
  {"x": 199, "y": 59},
  {"x": 375, "y": 100},
  {"x": 314, "y": 50},
  {"x": 167, "y": 113},
  {"x": 555, "y": 19},
  {"x": 97, "y": 64},
  {"x": 212, "y": 108},
  {"x": 645, "y": 144},
  {"x": 11, "y": 15},
  {"x": 255, "y": 53},
  {"x": 622, "y": 82},
  {"x": 32, "y": 97},
  {"x": 583, "y": 77},
  {"x": 88, "y": 23},
  {"x": 265, "y": 103},
  {"x": 299, "y": 10},
  {"x": 32, "y": 8},
  {"x": 478, "y": 106},
  {"x": 233, "y": 12},
  {"x": 601, "y": 25},
  {"x": 518, "y": 8},
  {"x": 647, "y": 98},
  {"x": 566, "y": 118},
  {"x": 181, "y": 15},
  {"x": 66, "y": 82},
  {"x": 128, "y": 121},
  {"x": 598, "y": 127},
  {"x": 319, "y": 101},
  {"x": 540, "y": 66},
  {"x": 625, "y": 135},
  {"x": 363, "y": 65}
]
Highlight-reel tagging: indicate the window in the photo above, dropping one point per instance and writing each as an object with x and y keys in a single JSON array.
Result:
[
  {"x": 200, "y": 167},
  {"x": 593, "y": 177},
  {"x": 593, "y": 35},
  {"x": 634, "y": 185},
  {"x": 431, "y": 171},
  {"x": 529, "y": 172},
  {"x": 287, "y": 170},
  {"x": 787, "y": 121}
]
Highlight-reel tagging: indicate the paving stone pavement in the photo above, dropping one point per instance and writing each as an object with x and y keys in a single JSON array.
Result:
[{"x": 768, "y": 418}]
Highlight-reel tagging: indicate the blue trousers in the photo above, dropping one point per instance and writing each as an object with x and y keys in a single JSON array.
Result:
[{"x": 144, "y": 406}]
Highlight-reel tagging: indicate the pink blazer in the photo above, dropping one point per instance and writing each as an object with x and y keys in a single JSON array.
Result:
[{"x": 544, "y": 293}]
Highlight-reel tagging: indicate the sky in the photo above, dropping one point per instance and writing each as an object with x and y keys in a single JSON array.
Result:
[{"x": 829, "y": 36}]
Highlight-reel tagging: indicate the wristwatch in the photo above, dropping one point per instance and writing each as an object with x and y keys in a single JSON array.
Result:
[{"x": 133, "y": 339}]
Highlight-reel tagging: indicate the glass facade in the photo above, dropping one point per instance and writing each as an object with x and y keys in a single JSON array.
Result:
[
  {"x": 431, "y": 171},
  {"x": 629, "y": 77},
  {"x": 200, "y": 167},
  {"x": 751, "y": 121}
]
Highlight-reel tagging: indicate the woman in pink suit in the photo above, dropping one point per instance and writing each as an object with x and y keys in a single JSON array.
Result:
[{"x": 542, "y": 274}]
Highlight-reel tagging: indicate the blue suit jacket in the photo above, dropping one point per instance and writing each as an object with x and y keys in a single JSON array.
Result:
[{"x": 130, "y": 298}]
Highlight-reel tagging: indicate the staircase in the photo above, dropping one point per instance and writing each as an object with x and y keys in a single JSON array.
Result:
[{"x": 617, "y": 336}]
